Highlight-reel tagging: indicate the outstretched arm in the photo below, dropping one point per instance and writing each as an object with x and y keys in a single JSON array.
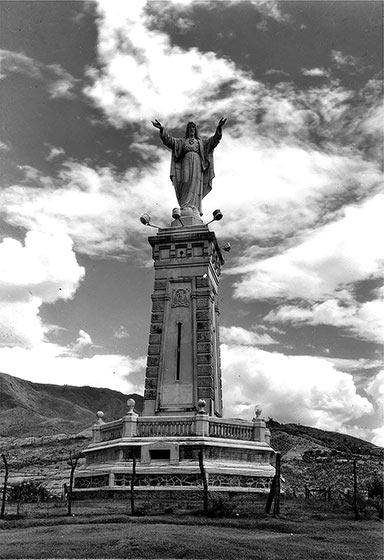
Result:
[
  {"x": 157, "y": 124},
  {"x": 212, "y": 142},
  {"x": 221, "y": 123},
  {"x": 166, "y": 138}
]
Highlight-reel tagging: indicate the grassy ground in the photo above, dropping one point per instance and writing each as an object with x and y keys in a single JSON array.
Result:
[{"x": 105, "y": 530}]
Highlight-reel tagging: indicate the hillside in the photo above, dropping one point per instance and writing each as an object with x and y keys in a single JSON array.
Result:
[
  {"x": 40, "y": 424},
  {"x": 322, "y": 460},
  {"x": 36, "y": 409},
  {"x": 320, "y": 440}
]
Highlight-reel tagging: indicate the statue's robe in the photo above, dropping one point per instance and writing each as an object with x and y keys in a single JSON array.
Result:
[{"x": 202, "y": 184}]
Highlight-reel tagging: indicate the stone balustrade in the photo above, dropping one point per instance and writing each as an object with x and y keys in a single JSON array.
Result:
[
  {"x": 200, "y": 424},
  {"x": 164, "y": 427},
  {"x": 231, "y": 429},
  {"x": 111, "y": 430}
]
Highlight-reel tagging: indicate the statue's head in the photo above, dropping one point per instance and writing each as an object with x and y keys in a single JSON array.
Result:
[{"x": 191, "y": 127}]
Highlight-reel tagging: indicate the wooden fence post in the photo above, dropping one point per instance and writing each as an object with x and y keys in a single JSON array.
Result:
[
  {"x": 355, "y": 508},
  {"x": 73, "y": 460},
  {"x": 133, "y": 477},
  {"x": 271, "y": 495},
  {"x": 4, "y": 496},
  {"x": 276, "y": 507},
  {"x": 205, "y": 482}
]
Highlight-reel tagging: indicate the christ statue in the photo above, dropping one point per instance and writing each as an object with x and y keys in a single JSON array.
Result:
[{"x": 192, "y": 168}]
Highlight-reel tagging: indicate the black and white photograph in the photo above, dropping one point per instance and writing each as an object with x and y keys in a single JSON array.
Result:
[{"x": 191, "y": 279}]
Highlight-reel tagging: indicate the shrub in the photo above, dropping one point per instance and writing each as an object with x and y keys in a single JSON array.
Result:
[
  {"x": 375, "y": 487},
  {"x": 218, "y": 507},
  {"x": 27, "y": 492}
]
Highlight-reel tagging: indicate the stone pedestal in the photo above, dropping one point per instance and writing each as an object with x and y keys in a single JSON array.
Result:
[
  {"x": 235, "y": 453},
  {"x": 182, "y": 415},
  {"x": 183, "y": 362}
]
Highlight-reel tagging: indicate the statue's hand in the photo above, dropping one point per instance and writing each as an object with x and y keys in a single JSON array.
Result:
[
  {"x": 157, "y": 124},
  {"x": 222, "y": 122}
]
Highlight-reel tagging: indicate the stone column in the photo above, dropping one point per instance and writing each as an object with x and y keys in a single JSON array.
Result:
[
  {"x": 202, "y": 420},
  {"x": 258, "y": 429},
  {"x": 130, "y": 420},
  {"x": 258, "y": 425},
  {"x": 268, "y": 436},
  {"x": 96, "y": 431}
]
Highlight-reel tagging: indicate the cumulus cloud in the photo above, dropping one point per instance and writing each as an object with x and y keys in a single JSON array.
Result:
[
  {"x": 54, "y": 152},
  {"x": 83, "y": 341},
  {"x": 376, "y": 390},
  {"x": 44, "y": 267},
  {"x": 378, "y": 436},
  {"x": 243, "y": 337},
  {"x": 178, "y": 13},
  {"x": 276, "y": 72},
  {"x": 20, "y": 63},
  {"x": 59, "y": 82},
  {"x": 281, "y": 190},
  {"x": 63, "y": 83},
  {"x": 315, "y": 72},
  {"x": 347, "y": 62},
  {"x": 267, "y": 140},
  {"x": 281, "y": 147},
  {"x": 97, "y": 208},
  {"x": 364, "y": 320},
  {"x": 20, "y": 323},
  {"x": 46, "y": 364},
  {"x": 140, "y": 74},
  {"x": 4, "y": 147},
  {"x": 335, "y": 255},
  {"x": 43, "y": 270},
  {"x": 301, "y": 389},
  {"x": 372, "y": 124},
  {"x": 121, "y": 333},
  {"x": 351, "y": 365}
]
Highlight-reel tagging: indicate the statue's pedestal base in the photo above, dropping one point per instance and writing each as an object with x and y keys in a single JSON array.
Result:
[
  {"x": 173, "y": 462},
  {"x": 188, "y": 217}
]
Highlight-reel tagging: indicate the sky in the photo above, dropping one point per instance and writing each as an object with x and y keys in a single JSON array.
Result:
[{"x": 298, "y": 179}]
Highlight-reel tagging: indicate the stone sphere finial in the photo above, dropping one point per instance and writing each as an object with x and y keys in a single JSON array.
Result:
[
  {"x": 258, "y": 411},
  {"x": 201, "y": 405},
  {"x": 100, "y": 417},
  {"x": 131, "y": 405}
]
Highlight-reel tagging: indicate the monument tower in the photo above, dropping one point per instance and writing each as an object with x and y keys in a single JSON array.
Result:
[
  {"x": 182, "y": 417},
  {"x": 183, "y": 364}
]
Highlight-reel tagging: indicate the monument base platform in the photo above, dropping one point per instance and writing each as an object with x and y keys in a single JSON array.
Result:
[{"x": 227, "y": 455}]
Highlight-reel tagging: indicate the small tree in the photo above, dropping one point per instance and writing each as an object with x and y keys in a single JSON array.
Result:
[
  {"x": 72, "y": 462},
  {"x": 5, "y": 483},
  {"x": 16, "y": 495},
  {"x": 376, "y": 493},
  {"x": 27, "y": 492}
]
